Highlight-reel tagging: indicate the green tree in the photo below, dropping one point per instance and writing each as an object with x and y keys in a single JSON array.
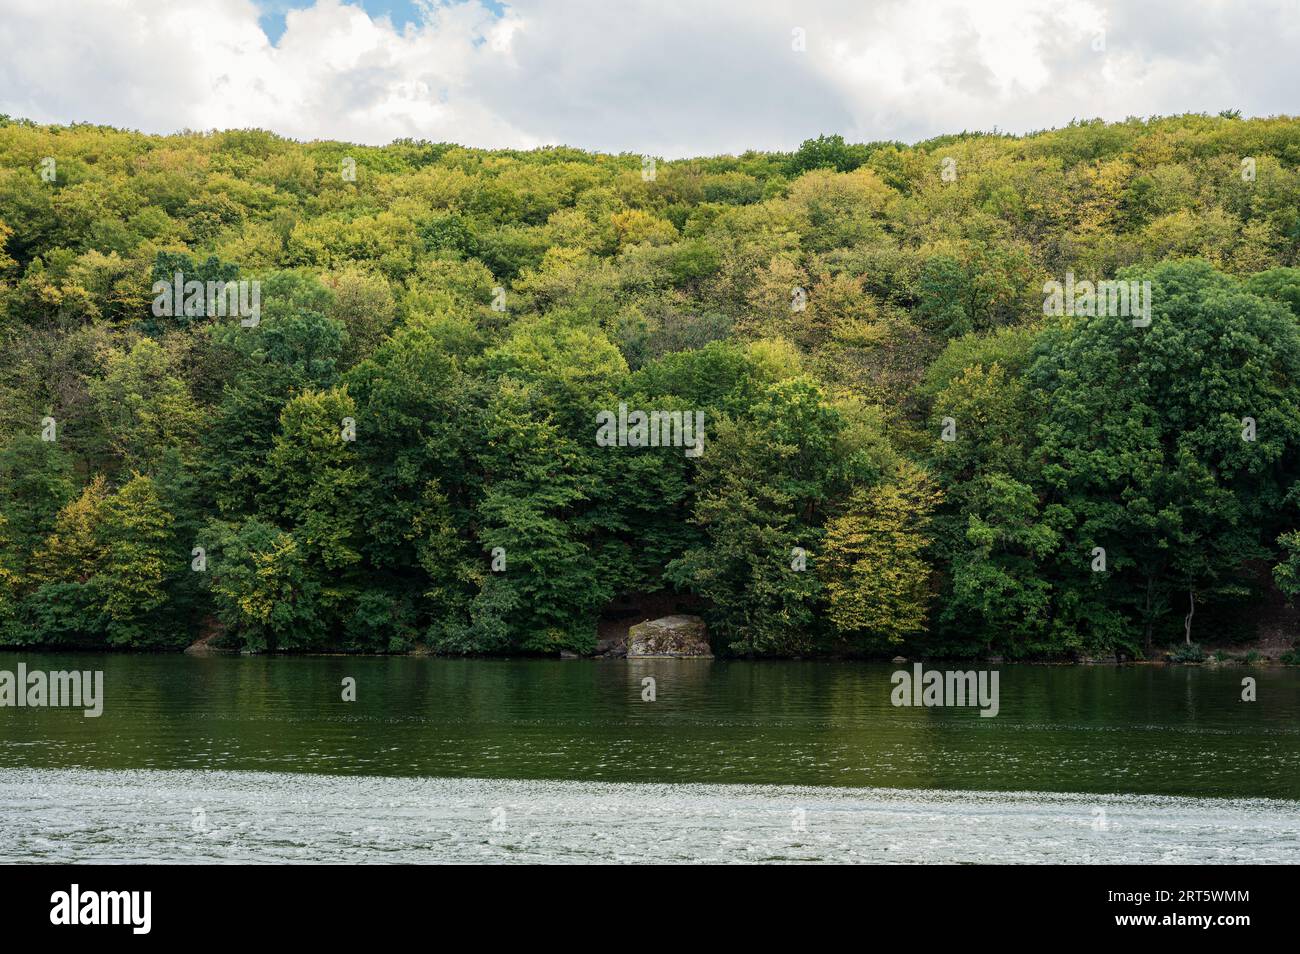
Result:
[
  {"x": 1173, "y": 445},
  {"x": 144, "y": 410},
  {"x": 35, "y": 482},
  {"x": 764, "y": 490},
  {"x": 877, "y": 577},
  {"x": 135, "y": 538},
  {"x": 262, "y": 587}
]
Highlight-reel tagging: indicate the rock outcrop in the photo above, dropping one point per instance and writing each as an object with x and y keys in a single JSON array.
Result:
[{"x": 677, "y": 636}]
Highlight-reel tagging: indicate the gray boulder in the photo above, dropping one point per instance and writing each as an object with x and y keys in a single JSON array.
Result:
[{"x": 669, "y": 636}]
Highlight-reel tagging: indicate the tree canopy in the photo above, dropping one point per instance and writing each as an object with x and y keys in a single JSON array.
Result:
[{"x": 389, "y": 437}]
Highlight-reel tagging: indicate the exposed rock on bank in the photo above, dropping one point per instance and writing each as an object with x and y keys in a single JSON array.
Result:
[
  {"x": 212, "y": 641},
  {"x": 677, "y": 636}
]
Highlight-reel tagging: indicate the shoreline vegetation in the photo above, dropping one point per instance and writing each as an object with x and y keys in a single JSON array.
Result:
[
  {"x": 1167, "y": 657},
  {"x": 1025, "y": 398}
]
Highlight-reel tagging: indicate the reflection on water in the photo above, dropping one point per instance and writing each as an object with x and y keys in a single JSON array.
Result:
[{"x": 1142, "y": 730}]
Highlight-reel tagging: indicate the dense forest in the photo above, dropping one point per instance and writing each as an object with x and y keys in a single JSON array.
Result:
[{"x": 904, "y": 449}]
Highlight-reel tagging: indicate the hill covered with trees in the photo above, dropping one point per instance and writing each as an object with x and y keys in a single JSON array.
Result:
[{"x": 398, "y": 446}]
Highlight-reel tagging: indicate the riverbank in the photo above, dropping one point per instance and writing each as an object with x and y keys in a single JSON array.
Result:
[
  {"x": 1274, "y": 645},
  {"x": 1250, "y": 658},
  {"x": 1210, "y": 659},
  {"x": 1272, "y": 650}
]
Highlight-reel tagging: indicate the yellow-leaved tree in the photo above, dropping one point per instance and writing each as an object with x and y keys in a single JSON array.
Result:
[{"x": 877, "y": 578}]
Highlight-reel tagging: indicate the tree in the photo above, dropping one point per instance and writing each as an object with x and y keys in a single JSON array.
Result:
[
  {"x": 1279, "y": 284},
  {"x": 764, "y": 490},
  {"x": 531, "y": 509},
  {"x": 135, "y": 538},
  {"x": 144, "y": 410},
  {"x": 35, "y": 482},
  {"x": 877, "y": 577},
  {"x": 294, "y": 347},
  {"x": 1171, "y": 445},
  {"x": 8, "y": 580},
  {"x": 261, "y": 586},
  {"x": 827, "y": 152},
  {"x": 71, "y": 554},
  {"x": 313, "y": 478}
]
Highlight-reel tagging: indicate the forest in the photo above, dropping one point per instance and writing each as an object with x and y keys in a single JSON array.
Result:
[{"x": 904, "y": 449}]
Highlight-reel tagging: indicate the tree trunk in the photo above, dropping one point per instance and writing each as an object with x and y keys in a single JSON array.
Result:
[{"x": 1187, "y": 621}]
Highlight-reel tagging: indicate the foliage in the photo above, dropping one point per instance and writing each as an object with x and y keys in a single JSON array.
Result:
[{"x": 465, "y": 315}]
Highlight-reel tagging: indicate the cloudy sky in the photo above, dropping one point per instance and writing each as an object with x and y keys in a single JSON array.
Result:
[{"x": 667, "y": 77}]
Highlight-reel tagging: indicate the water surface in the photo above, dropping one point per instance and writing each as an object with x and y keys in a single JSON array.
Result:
[
  {"x": 75, "y": 815},
  {"x": 1148, "y": 730}
]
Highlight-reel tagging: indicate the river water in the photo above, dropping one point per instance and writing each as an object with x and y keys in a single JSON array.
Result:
[{"x": 261, "y": 759}]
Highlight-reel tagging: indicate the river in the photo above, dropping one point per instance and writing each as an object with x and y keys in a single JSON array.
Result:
[{"x": 261, "y": 759}]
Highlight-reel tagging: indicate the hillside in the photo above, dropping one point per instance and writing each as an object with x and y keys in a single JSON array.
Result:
[{"x": 342, "y": 397}]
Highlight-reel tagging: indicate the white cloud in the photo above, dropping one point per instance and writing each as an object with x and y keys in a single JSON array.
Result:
[{"x": 672, "y": 77}]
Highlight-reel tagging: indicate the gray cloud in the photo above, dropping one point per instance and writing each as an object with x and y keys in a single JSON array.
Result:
[{"x": 668, "y": 77}]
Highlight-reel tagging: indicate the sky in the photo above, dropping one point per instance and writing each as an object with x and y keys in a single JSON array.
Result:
[{"x": 670, "y": 78}]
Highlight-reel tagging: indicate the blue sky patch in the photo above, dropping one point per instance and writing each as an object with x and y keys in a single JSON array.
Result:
[{"x": 401, "y": 12}]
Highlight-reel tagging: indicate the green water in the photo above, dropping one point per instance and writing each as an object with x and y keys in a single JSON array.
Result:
[{"x": 1140, "y": 730}]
